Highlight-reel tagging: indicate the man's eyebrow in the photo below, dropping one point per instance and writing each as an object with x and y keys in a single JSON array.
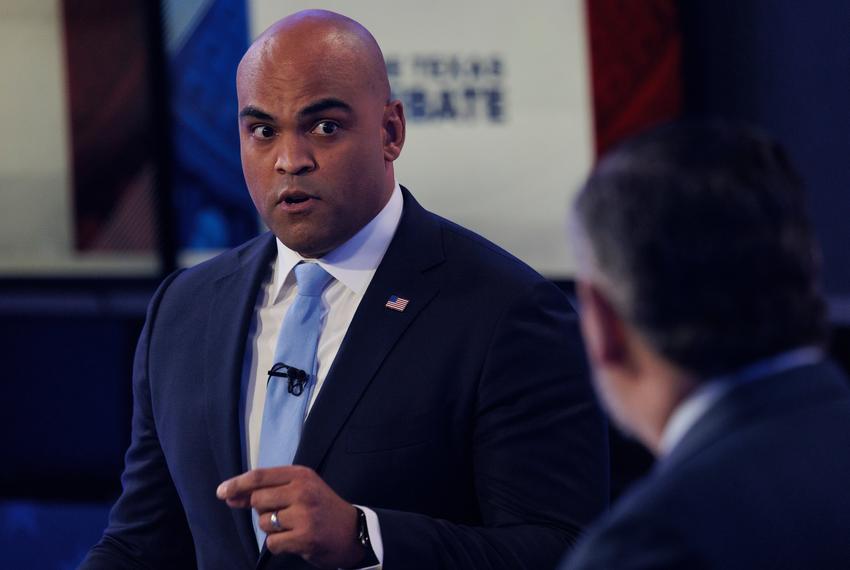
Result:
[
  {"x": 257, "y": 113},
  {"x": 324, "y": 105}
]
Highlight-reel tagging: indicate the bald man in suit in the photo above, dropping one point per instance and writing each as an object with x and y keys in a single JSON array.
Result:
[{"x": 450, "y": 421}]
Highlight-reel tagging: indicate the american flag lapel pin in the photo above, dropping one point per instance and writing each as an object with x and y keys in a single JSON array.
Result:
[{"x": 397, "y": 303}]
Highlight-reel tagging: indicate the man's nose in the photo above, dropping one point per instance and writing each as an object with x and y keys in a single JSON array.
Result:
[{"x": 294, "y": 156}]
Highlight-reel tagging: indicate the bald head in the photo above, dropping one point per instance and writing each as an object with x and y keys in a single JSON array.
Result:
[{"x": 329, "y": 42}]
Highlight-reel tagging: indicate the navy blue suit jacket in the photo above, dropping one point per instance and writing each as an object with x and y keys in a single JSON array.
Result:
[
  {"x": 467, "y": 421},
  {"x": 761, "y": 481}
]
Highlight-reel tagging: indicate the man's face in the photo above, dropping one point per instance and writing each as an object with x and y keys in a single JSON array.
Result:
[{"x": 314, "y": 143}]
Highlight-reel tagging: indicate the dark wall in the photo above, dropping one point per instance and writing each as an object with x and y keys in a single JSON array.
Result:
[
  {"x": 67, "y": 352},
  {"x": 784, "y": 65}
]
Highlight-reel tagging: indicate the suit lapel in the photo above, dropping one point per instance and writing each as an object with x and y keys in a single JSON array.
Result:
[
  {"x": 230, "y": 315},
  {"x": 374, "y": 330}
]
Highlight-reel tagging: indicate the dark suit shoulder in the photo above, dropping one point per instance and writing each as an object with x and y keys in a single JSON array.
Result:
[
  {"x": 181, "y": 304},
  {"x": 766, "y": 492},
  {"x": 230, "y": 260},
  {"x": 630, "y": 539},
  {"x": 182, "y": 289},
  {"x": 482, "y": 260}
]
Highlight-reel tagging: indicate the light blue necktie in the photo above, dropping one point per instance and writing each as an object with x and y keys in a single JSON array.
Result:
[{"x": 286, "y": 400}]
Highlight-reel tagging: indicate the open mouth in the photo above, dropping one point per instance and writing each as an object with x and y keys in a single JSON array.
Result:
[
  {"x": 296, "y": 202},
  {"x": 294, "y": 197}
]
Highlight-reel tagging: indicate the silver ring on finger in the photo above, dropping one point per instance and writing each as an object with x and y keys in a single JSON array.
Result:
[{"x": 275, "y": 522}]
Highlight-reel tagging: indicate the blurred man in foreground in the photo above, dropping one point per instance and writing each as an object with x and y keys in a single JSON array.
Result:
[
  {"x": 366, "y": 384},
  {"x": 703, "y": 322}
]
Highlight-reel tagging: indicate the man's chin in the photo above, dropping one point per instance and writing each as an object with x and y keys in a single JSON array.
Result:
[{"x": 310, "y": 248}]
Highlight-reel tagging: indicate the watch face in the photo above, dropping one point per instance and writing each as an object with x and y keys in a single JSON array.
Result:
[{"x": 362, "y": 528}]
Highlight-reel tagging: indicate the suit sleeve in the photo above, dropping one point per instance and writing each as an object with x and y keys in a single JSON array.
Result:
[
  {"x": 147, "y": 525},
  {"x": 540, "y": 451},
  {"x": 641, "y": 542}
]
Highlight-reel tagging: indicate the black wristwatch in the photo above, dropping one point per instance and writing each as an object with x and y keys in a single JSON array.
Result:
[
  {"x": 369, "y": 558},
  {"x": 363, "y": 530}
]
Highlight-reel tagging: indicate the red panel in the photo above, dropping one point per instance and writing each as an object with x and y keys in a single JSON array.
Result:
[
  {"x": 635, "y": 49},
  {"x": 110, "y": 124}
]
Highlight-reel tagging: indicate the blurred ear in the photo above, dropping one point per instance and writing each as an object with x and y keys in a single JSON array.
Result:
[
  {"x": 604, "y": 331},
  {"x": 394, "y": 130}
]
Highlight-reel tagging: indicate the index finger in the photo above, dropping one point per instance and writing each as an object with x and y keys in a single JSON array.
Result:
[{"x": 255, "y": 479}]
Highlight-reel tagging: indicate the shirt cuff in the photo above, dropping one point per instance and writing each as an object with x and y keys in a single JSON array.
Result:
[{"x": 374, "y": 528}]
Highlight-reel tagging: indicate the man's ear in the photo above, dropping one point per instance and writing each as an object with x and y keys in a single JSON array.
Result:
[
  {"x": 603, "y": 328},
  {"x": 394, "y": 130}
]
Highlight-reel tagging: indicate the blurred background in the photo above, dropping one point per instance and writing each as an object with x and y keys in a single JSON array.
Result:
[{"x": 119, "y": 162}]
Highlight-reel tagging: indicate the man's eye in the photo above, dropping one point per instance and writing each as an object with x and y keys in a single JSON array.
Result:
[
  {"x": 262, "y": 132},
  {"x": 325, "y": 128}
]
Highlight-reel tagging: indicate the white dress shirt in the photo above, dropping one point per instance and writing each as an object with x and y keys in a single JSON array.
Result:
[
  {"x": 352, "y": 265},
  {"x": 701, "y": 400}
]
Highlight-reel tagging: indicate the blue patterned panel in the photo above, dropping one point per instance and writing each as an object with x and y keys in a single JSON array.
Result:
[{"x": 213, "y": 209}]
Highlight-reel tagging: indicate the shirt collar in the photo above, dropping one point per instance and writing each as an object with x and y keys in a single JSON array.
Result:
[
  {"x": 354, "y": 262},
  {"x": 692, "y": 408}
]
